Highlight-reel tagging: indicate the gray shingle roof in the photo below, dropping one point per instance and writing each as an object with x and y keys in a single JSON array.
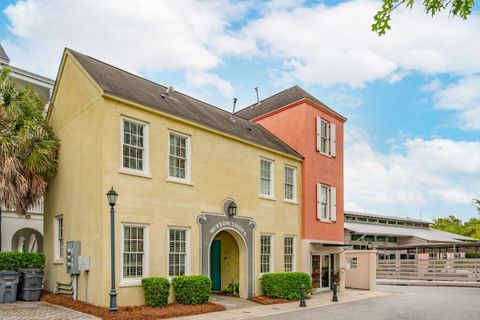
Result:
[
  {"x": 3, "y": 55},
  {"x": 279, "y": 100},
  {"x": 123, "y": 84}
]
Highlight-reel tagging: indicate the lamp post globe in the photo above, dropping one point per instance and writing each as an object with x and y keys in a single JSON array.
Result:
[{"x": 112, "y": 196}]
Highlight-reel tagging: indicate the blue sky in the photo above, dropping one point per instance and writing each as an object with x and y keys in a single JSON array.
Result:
[{"x": 412, "y": 97}]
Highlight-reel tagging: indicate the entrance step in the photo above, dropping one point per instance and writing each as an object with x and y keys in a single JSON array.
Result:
[{"x": 232, "y": 303}]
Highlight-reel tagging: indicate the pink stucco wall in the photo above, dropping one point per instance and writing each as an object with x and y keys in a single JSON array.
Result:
[{"x": 296, "y": 125}]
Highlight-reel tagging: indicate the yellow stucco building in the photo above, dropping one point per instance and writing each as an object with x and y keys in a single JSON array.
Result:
[{"x": 177, "y": 164}]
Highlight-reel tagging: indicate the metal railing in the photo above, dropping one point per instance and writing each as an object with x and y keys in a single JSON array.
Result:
[
  {"x": 458, "y": 269},
  {"x": 35, "y": 208}
]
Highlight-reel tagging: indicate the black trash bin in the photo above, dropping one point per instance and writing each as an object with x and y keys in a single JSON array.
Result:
[
  {"x": 30, "y": 284},
  {"x": 8, "y": 286}
]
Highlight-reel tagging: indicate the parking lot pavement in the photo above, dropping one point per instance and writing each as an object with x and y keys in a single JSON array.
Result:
[
  {"x": 39, "y": 311},
  {"x": 424, "y": 303}
]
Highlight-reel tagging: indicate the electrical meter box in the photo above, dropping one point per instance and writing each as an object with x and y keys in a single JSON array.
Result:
[
  {"x": 73, "y": 252},
  {"x": 84, "y": 263}
]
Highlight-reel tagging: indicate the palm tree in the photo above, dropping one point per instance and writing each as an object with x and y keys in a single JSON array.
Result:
[{"x": 28, "y": 147}]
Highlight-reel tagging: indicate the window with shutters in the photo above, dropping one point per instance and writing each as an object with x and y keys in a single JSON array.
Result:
[
  {"x": 326, "y": 137},
  {"x": 326, "y": 203},
  {"x": 266, "y": 178},
  {"x": 134, "y": 145},
  {"x": 290, "y": 183},
  {"x": 177, "y": 252}
]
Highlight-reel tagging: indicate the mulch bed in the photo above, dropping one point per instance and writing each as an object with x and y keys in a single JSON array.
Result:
[
  {"x": 267, "y": 300},
  {"x": 132, "y": 313}
]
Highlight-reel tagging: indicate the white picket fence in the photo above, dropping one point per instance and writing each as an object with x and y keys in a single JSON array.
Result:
[{"x": 460, "y": 269}]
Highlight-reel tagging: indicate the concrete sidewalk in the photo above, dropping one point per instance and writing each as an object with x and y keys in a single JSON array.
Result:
[
  {"x": 426, "y": 283},
  {"x": 318, "y": 300}
]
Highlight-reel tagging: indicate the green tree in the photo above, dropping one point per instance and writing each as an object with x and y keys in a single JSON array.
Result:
[
  {"x": 450, "y": 224},
  {"x": 477, "y": 204},
  {"x": 28, "y": 147},
  {"x": 461, "y": 8}
]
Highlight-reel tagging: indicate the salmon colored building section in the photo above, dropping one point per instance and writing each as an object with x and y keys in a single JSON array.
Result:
[{"x": 295, "y": 124}]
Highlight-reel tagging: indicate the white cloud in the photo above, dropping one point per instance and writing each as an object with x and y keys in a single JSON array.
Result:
[
  {"x": 208, "y": 79},
  {"x": 335, "y": 45},
  {"x": 462, "y": 97},
  {"x": 437, "y": 173},
  {"x": 140, "y": 36}
]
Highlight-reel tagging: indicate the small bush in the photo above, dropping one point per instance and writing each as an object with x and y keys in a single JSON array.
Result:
[
  {"x": 156, "y": 291},
  {"x": 14, "y": 261},
  {"x": 285, "y": 285},
  {"x": 192, "y": 289},
  {"x": 232, "y": 289}
]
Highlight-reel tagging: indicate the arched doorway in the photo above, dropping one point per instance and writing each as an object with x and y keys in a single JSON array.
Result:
[
  {"x": 224, "y": 227},
  {"x": 228, "y": 261},
  {"x": 27, "y": 240}
]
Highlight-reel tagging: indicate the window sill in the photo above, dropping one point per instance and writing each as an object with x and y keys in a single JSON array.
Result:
[
  {"x": 136, "y": 173},
  {"x": 325, "y": 221},
  {"x": 58, "y": 261},
  {"x": 290, "y": 201},
  {"x": 326, "y": 155},
  {"x": 179, "y": 181},
  {"x": 130, "y": 283},
  {"x": 262, "y": 196}
]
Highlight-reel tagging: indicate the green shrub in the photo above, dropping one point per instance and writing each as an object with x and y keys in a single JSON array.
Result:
[
  {"x": 156, "y": 290},
  {"x": 232, "y": 289},
  {"x": 285, "y": 285},
  {"x": 20, "y": 260},
  {"x": 192, "y": 289}
]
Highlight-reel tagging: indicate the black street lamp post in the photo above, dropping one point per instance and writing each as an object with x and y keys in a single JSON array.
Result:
[{"x": 112, "y": 196}]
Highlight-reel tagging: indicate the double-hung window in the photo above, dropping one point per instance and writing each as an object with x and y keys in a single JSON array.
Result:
[
  {"x": 290, "y": 183},
  {"x": 266, "y": 177},
  {"x": 134, "y": 247},
  {"x": 134, "y": 145},
  {"x": 177, "y": 252},
  {"x": 289, "y": 253},
  {"x": 59, "y": 246},
  {"x": 179, "y": 156},
  {"x": 326, "y": 137},
  {"x": 326, "y": 203},
  {"x": 266, "y": 253}
]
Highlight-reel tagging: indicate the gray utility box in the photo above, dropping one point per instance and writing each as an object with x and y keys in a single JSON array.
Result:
[
  {"x": 30, "y": 284},
  {"x": 73, "y": 252},
  {"x": 8, "y": 286}
]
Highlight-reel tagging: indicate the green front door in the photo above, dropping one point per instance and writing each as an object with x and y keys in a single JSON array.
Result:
[{"x": 215, "y": 265}]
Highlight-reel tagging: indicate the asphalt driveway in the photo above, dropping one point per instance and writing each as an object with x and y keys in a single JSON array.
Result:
[{"x": 424, "y": 303}]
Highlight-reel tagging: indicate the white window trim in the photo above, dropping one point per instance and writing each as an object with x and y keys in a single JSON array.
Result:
[
  {"x": 294, "y": 252},
  {"x": 294, "y": 199},
  {"x": 331, "y": 143},
  {"x": 146, "y": 147},
  {"x": 56, "y": 246},
  {"x": 188, "y": 177},
  {"x": 329, "y": 214},
  {"x": 130, "y": 282},
  {"x": 187, "y": 249},
  {"x": 270, "y": 196},
  {"x": 272, "y": 253}
]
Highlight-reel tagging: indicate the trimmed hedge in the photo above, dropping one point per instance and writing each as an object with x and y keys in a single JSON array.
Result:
[
  {"x": 13, "y": 261},
  {"x": 192, "y": 289},
  {"x": 156, "y": 290},
  {"x": 286, "y": 285}
]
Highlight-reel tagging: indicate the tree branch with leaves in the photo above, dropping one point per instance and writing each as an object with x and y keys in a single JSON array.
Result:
[
  {"x": 28, "y": 147},
  {"x": 460, "y": 8}
]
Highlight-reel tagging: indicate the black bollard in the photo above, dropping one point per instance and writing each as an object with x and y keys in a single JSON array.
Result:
[
  {"x": 302, "y": 296},
  {"x": 334, "y": 298}
]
